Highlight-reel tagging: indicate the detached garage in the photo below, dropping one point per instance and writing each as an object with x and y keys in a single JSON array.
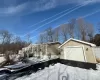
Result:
[{"x": 77, "y": 50}]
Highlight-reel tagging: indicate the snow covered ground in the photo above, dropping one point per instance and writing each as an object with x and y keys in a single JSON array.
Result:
[{"x": 63, "y": 72}]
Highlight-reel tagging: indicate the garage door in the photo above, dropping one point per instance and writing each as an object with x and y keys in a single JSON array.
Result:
[{"x": 74, "y": 53}]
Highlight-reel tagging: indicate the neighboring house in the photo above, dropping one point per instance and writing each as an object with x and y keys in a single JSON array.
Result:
[
  {"x": 97, "y": 51},
  {"x": 77, "y": 50},
  {"x": 49, "y": 49}
]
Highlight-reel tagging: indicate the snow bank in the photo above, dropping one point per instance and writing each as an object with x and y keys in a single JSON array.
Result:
[
  {"x": 63, "y": 72},
  {"x": 17, "y": 65}
]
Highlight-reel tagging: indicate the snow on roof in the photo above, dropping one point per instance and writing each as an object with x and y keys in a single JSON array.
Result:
[
  {"x": 93, "y": 45},
  {"x": 52, "y": 43},
  {"x": 46, "y": 43}
]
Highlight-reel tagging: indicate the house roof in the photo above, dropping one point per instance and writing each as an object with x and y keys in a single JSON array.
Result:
[
  {"x": 52, "y": 43},
  {"x": 48, "y": 43},
  {"x": 87, "y": 43}
]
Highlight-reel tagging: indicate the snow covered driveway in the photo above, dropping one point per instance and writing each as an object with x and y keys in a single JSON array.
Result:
[{"x": 63, "y": 72}]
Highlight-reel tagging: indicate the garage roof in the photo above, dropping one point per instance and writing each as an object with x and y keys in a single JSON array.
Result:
[{"x": 87, "y": 43}]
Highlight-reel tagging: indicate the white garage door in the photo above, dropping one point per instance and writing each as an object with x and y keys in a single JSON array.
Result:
[{"x": 74, "y": 53}]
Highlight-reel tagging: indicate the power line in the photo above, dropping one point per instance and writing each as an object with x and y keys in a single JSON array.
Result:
[
  {"x": 55, "y": 19},
  {"x": 82, "y": 17},
  {"x": 45, "y": 31},
  {"x": 53, "y": 16},
  {"x": 47, "y": 19},
  {"x": 91, "y": 13}
]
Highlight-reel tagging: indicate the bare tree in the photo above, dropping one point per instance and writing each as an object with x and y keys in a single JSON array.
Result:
[
  {"x": 56, "y": 34},
  {"x": 97, "y": 39},
  {"x": 49, "y": 33},
  {"x": 82, "y": 28},
  {"x": 77, "y": 32},
  {"x": 5, "y": 47},
  {"x": 64, "y": 31},
  {"x": 9, "y": 46},
  {"x": 71, "y": 27},
  {"x": 6, "y": 39},
  {"x": 17, "y": 39},
  {"x": 28, "y": 38},
  {"x": 90, "y": 31},
  {"x": 5, "y": 36},
  {"x": 41, "y": 38},
  {"x": 98, "y": 27}
]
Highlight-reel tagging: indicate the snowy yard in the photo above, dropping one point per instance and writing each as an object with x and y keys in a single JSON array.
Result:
[{"x": 63, "y": 72}]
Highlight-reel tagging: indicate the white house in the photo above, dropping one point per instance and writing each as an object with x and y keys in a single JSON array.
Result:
[{"x": 49, "y": 49}]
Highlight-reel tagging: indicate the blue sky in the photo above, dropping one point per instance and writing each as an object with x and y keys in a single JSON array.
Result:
[{"x": 23, "y": 17}]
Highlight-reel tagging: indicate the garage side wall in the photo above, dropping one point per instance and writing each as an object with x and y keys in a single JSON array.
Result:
[
  {"x": 88, "y": 50},
  {"x": 53, "y": 50}
]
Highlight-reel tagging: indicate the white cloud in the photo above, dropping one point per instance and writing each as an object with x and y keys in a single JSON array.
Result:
[
  {"x": 39, "y": 5},
  {"x": 28, "y": 7},
  {"x": 44, "y": 5},
  {"x": 13, "y": 10}
]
